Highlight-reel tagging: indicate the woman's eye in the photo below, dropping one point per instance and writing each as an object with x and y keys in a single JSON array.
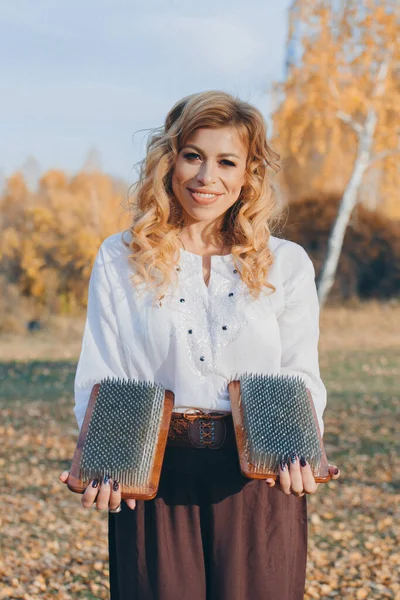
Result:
[{"x": 194, "y": 156}]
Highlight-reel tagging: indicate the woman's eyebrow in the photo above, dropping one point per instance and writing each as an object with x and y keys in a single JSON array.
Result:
[{"x": 201, "y": 151}]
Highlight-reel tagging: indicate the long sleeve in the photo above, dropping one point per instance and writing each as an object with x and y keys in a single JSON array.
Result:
[
  {"x": 299, "y": 329},
  {"x": 102, "y": 351}
]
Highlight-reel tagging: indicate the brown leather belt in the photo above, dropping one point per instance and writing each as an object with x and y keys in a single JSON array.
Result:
[{"x": 196, "y": 429}]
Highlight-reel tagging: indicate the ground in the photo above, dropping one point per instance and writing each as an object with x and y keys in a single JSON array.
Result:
[{"x": 54, "y": 549}]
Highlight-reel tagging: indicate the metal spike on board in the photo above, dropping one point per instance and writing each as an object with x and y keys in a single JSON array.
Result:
[
  {"x": 120, "y": 440},
  {"x": 278, "y": 421}
]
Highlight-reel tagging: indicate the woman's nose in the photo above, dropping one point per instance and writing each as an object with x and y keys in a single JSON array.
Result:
[{"x": 207, "y": 173}]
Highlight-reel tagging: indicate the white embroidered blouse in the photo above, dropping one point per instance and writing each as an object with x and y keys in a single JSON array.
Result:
[{"x": 200, "y": 337}]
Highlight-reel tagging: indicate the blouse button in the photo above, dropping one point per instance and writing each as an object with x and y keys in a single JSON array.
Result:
[
  {"x": 182, "y": 300},
  {"x": 190, "y": 331},
  {"x": 235, "y": 271},
  {"x": 230, "y": 294},
  {"x": 178, "y": 269},
  {"x": 202, "y": 358},
  {"x": 224, "y": 327}
]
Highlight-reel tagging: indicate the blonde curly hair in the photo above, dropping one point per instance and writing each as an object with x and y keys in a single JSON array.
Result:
[{"x": 158, "y": 216}]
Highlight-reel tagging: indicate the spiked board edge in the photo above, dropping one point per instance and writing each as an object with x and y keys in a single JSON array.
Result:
[
  {"x": 248, "y": 469},
  {"x": 75, "y": 484}
]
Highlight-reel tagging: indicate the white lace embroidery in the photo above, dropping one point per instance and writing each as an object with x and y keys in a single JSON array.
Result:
[
  {"x": 208, "y": 319},
  {"x": 192, "y": 315},
  {"x": 229, "y": 314}
]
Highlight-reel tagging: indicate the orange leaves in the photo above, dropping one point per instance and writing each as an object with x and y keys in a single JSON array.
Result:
[
  {"x": 339, "y": 54},
  {"x": 10, "y": 242},
  {"x": 55, "y": 550},
  {"x": 49, "y": 238},
  {"x": 54, "y": 180},
  {"x": 16, "y": 187}
]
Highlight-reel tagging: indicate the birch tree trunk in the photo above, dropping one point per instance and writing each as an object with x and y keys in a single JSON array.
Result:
[
  {"x": 366, "y": 134},
  {"x": 349, "y": 200}
]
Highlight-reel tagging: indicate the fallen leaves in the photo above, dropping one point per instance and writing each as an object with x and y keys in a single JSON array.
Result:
[
  {"x": 56, "y": 550},
  {"x": 354, "y": 526}
]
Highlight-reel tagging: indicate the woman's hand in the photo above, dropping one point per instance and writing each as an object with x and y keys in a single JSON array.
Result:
[
  {"x": 106, "y": 494},
  {"x": 297, "y": 478}
]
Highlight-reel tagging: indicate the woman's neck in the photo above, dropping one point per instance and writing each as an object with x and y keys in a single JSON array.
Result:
[{"x": 203, "y": 239}]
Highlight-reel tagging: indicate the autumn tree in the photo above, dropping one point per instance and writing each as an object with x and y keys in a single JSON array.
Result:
[
  {"x": 338, "y": 123},
  {"x": 49, "y": 238}
]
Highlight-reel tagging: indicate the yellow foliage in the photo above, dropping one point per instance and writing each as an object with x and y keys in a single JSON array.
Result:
[
  {"x": 54, "y": 179},
  {"x": 49, "y": 238},
  {"x": 336, "y": 74}
]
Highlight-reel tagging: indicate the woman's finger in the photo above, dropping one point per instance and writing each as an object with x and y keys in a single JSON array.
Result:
[
  {"x": 63, "y": 476},
  {"x": 89, "y": 495},
  {"x": 115, "y": 497},
  {"x": 104, "y": 494},
  {"x": 270, "y": 482},
  {"x": 131, "y": 503},
  {"x": 334, "y": 471},
  {"x": 296, "y": 475},
  {"x": 309, "y": 484},
  {"x": 284, "y": 477}
]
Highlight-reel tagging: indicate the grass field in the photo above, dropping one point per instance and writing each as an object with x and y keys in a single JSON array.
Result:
[{"x": 53, "y": 549}]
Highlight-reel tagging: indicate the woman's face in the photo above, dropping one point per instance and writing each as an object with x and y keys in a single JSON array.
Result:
[{"x": 209, "y": 173}]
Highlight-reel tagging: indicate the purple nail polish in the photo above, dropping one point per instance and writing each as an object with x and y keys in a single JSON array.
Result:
[
  {"x": 106, "y": 480},
  {"x": 282, "y": 465},
  {"x": 95, "y": 483},
  {"x": 115, "y": 486},
  {"x": 303, "y": 461},
  {"x": 293, "y": 458},
  {"x": 336, "y": 471}
]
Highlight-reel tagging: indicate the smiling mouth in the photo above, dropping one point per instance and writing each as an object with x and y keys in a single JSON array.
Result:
[{"x": 202, "y": 198}]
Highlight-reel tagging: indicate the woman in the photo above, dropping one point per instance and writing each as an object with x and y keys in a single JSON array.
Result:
[{"x": 195, "y": 292}]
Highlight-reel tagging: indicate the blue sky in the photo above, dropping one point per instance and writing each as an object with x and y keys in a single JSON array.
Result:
[{"x": 77, "y": 76}]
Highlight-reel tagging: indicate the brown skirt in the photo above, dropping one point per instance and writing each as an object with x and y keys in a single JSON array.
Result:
[{"x": 210, "y": 534}]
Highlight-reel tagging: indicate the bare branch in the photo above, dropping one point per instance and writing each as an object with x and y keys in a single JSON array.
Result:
[
  {"x": 350, "y": 121},
  {"x": 379, "y": 88},
  {"x": 384, "y": 154},
  {"x": 334, "y": 89},
  {"x": 382, "y": 73}
]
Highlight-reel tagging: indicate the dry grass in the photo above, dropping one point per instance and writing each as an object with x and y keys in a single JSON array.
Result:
[
  {"x": 60, "y": 339},
  {"x": 364, "y": 325},
  {"x": 369, "y": 325},
  {"x": 55, "y": 550},
  {"x": 52, "y": 550}
]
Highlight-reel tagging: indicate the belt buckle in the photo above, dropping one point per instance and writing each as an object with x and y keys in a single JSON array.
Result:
[{"x": 206, "y": 431}]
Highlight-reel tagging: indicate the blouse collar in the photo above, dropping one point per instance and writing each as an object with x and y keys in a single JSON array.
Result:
[{"x": 190, "y": 256}]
